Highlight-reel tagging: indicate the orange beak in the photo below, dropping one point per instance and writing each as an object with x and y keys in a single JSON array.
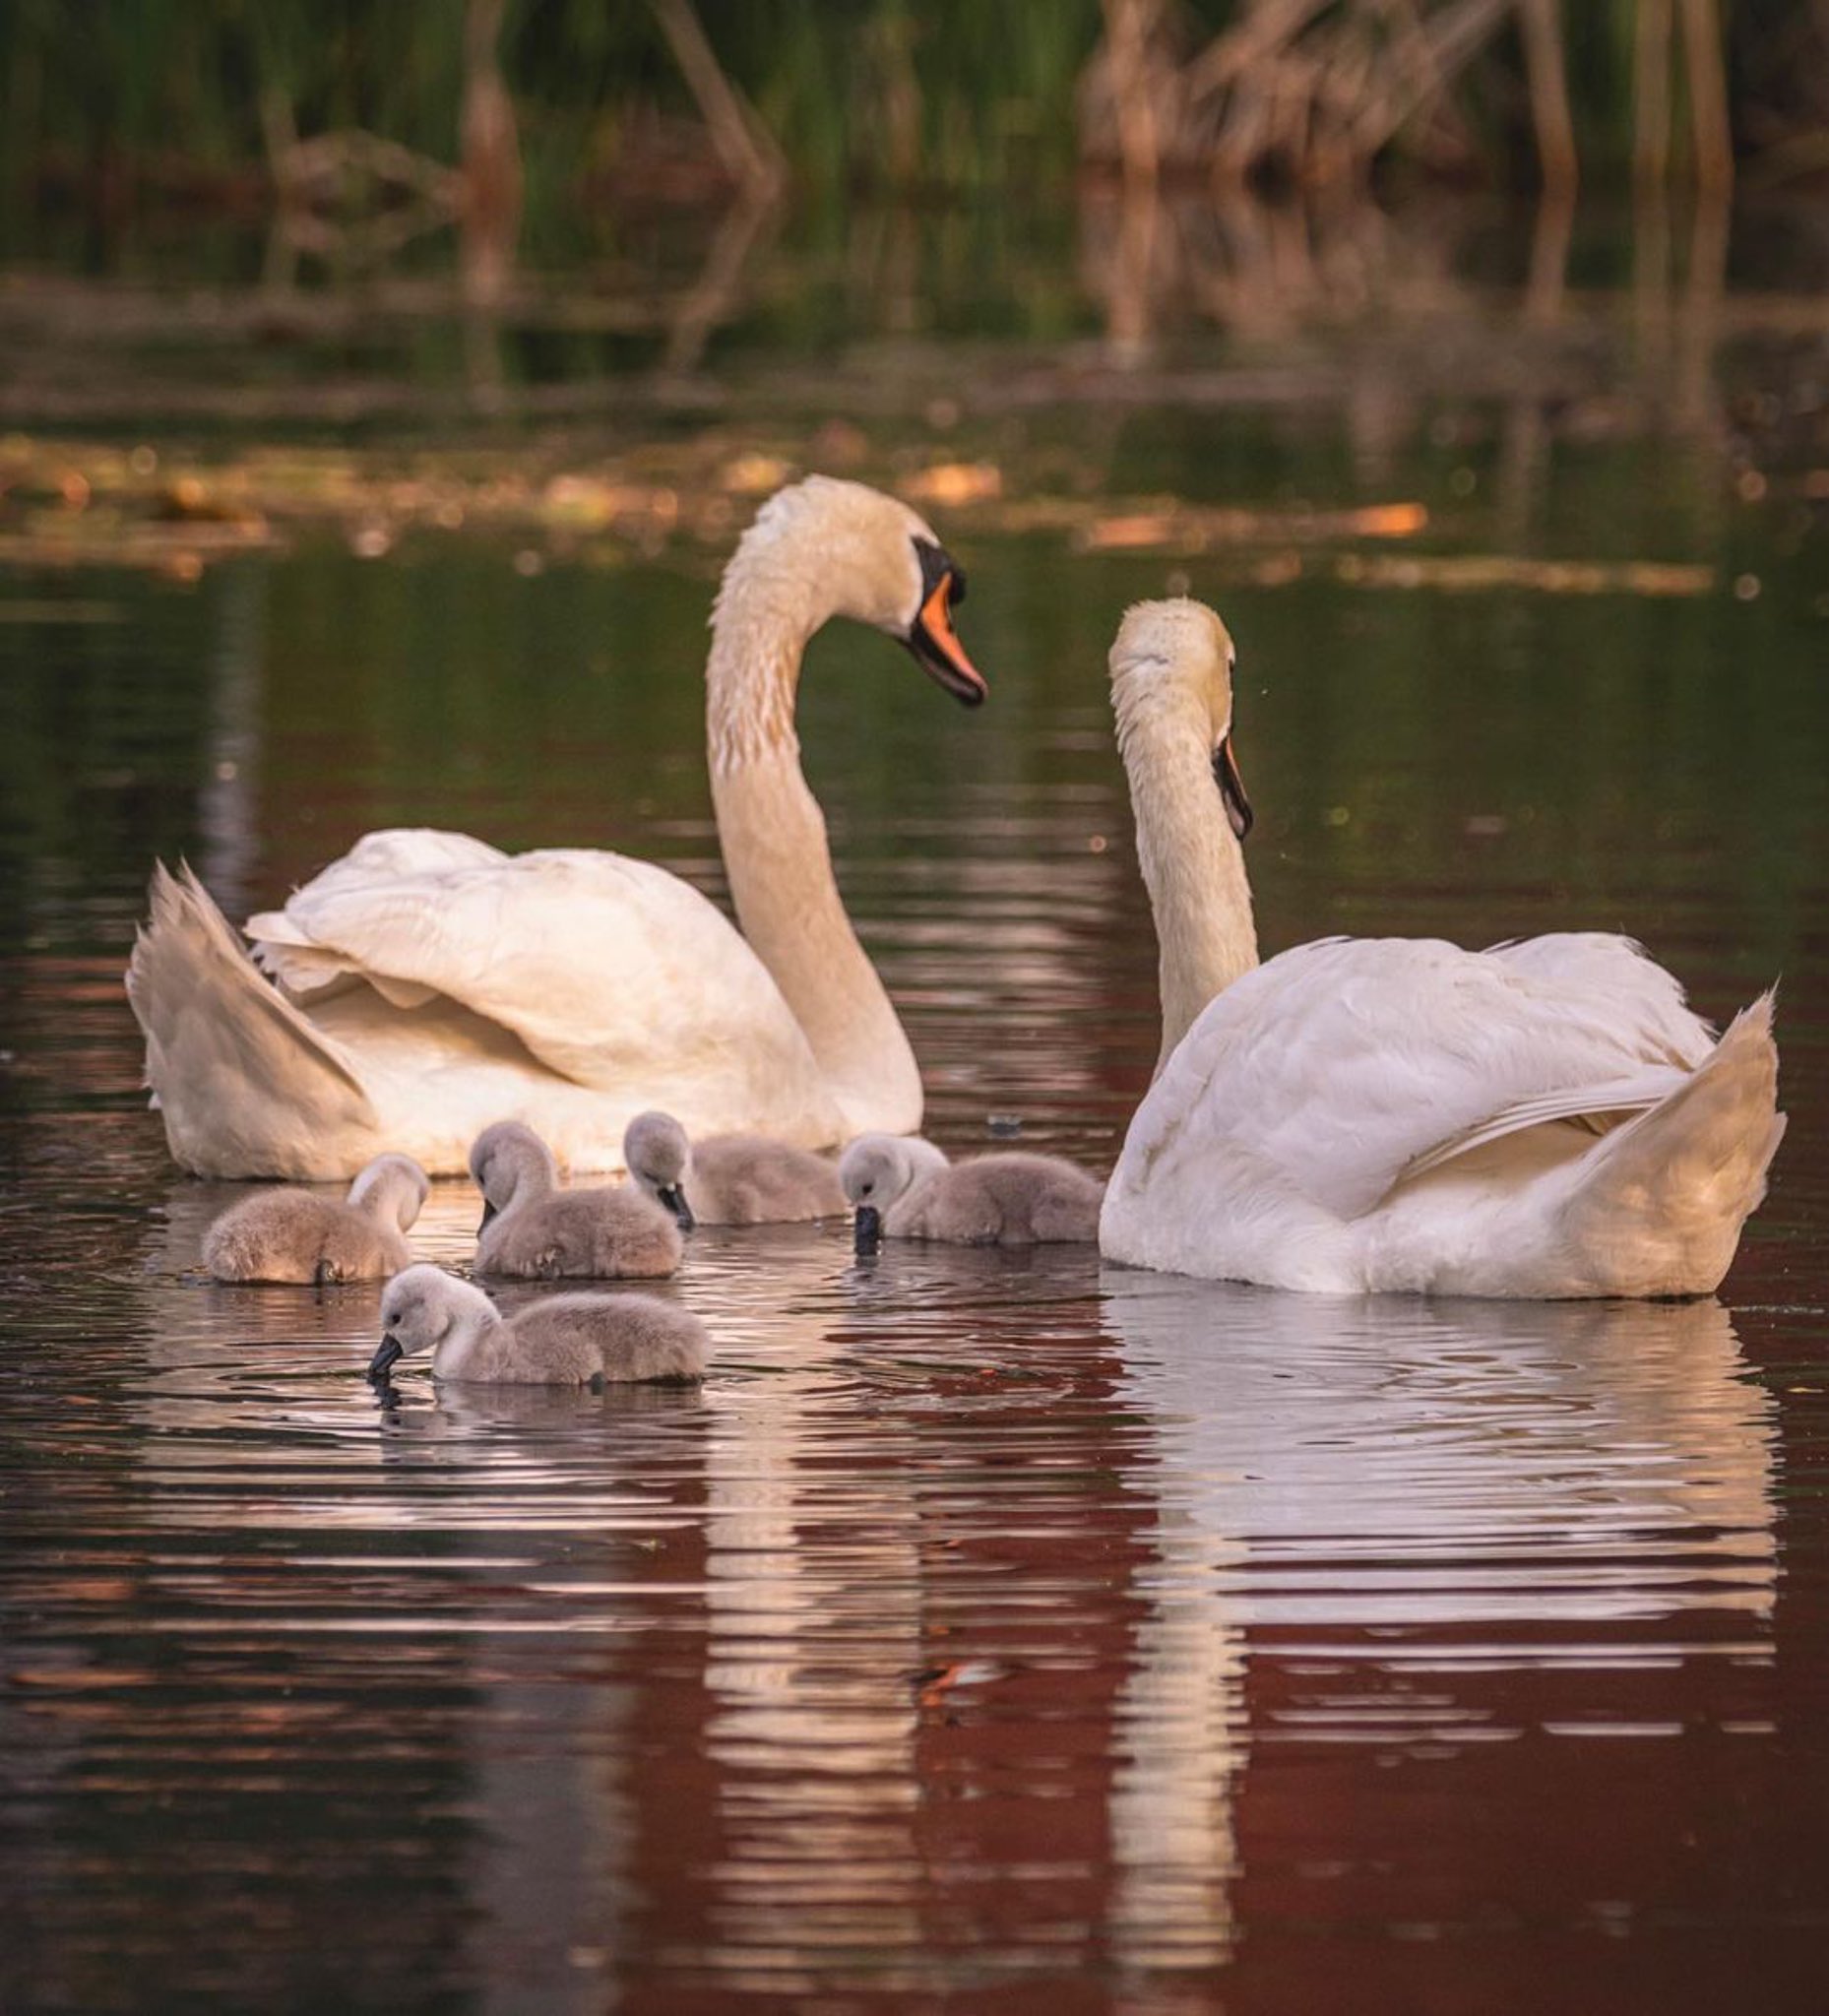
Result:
[{"x": 937, "y": 646}]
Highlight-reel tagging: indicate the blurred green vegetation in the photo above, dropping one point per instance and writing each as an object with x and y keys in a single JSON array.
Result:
[{"x": 942, "y": 95}]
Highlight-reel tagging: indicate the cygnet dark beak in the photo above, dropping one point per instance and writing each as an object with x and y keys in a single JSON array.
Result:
[
  {"x": 388, "y": 1353},
  {"x": 867, "y": 1235},
  {"x": 489, "y": 1212},
  {"x": 674, "y": 1198}
]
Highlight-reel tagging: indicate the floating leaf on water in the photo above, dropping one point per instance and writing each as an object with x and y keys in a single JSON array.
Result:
[
  {"x": 1125, "y": 535},
  {"x": 1472, "y": 573},
  {"x": 1388, "y": 520},
  {"x": 953, "y": 483},
  {"x": 749, "y": 475}
]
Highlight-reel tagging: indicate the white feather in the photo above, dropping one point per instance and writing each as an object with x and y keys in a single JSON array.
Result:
[
  {"x": 1544, "y": 1118},
  {"x": 426, "y": 984}
]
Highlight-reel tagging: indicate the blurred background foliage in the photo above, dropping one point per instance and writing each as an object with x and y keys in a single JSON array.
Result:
[{"x": 199, "y": 96}]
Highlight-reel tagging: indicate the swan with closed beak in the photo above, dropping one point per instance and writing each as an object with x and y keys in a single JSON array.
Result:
[
  {"x": 425, "y": 983},
  {"x": 1543, "y": 1119},
  {"x": 295, "y": 1236},
  {"x": 730, "y": 1178},
  {"x": 568, "y": 1340},
  {"x": 535, "y": 1231},
  {"x": 907, "y": 1189}
]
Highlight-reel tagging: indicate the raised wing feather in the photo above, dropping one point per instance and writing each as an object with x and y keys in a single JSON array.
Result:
[
  {"x": 1347, "y": 1064},
  {"x": 598, "y": 963},
  {"x": 282, "y": 941}
]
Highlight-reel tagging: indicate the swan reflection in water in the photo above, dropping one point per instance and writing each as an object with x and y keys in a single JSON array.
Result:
[
  {"x": 945, "y": 1539},
  {"x": 1400, "y": 1466}
]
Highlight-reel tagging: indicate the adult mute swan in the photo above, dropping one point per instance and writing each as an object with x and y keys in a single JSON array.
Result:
[
  {"x": 429, "y": 984},
  {"x": 1543, "y": 1119}
]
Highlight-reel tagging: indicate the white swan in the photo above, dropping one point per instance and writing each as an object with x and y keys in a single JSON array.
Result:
[
  {"x": 1543, "y": 1119},
  {"x": 429, "y": 984}
]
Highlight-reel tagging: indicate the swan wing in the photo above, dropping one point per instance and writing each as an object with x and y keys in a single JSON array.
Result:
[
  {"x": 282, "y": 941},
  {"x": 600, "y": 965},
  {"x": 1350, "y": 1064},
  {"x": 1598, "y": 1108},
  {"x": 1617, "y": 977}
]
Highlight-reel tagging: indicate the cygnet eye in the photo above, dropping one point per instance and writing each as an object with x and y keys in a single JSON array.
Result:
[{"x": 867, "y": 1188}]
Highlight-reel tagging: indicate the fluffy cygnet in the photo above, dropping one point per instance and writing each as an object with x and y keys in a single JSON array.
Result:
[
  {"x": 728, "y": 1178},
  {"x": 905, "y": 1188},
  {"x": 534, "y": 1230},
  {"x": 295, "y": 1236},
  {"x": 571, "y": 1339}
]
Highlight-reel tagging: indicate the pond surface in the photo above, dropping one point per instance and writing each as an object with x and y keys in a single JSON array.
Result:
[{"x": 996, "y": 1630}]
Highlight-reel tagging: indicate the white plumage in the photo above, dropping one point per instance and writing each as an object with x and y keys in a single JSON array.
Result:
[
  {"x": 1546, "y": 1118},
  {"x": 429, "y": 984}
]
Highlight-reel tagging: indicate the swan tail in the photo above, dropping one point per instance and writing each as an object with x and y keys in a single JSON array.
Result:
[
  {"x": 1660, "y": 1201},
  {"x": 245, "y": 1084}
]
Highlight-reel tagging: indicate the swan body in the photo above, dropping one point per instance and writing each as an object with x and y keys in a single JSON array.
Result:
[
  {"x": 567, "y": 1340},
  {"x": 728, "y": 1178},
  {"x": 425, "y": 983},
  {"x": 535, "y": 1231},
  {"x": 292, "y": 1235},
  {"x": 1543, "y": 1119},
  {"x": 990, "y": 1200}
]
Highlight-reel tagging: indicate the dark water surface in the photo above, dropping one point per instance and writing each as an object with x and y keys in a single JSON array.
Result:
[{"x": 992, "y": 1631}]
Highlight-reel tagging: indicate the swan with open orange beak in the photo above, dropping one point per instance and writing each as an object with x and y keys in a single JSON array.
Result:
[{"x": 931, "y": 637}]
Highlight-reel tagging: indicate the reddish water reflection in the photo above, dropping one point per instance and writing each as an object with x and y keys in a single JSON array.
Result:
[
  {"x": 992, "y": 1631},
  {"x": 990, "y": 1626}
]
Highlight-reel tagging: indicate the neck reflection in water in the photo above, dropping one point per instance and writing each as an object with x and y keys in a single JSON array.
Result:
[
  {"x": 987, "y": 1615},
  {"x": 1435, "y": 1486}
]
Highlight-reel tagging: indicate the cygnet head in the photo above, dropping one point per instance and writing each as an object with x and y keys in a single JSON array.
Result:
[
  {"x": 1172, "y": 660},
  {"x": 659, "y": 1159},
  {"x": 878, "y": 1170},
  {"x": 420, "y": 1308},
  {"x": 392, "y": 1186},
  {"x": 864, "y": 555},
  {"x": 509, "y": 1160}
]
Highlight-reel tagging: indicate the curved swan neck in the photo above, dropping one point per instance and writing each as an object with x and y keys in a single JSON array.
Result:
[
  {"x": 533, "y": 1176},
  {"x": 390, "y": 1196},
  {"x": 775, "y": 854},
  {"x": 764, "y": 617},
  {"x": 472, "y": 1325},
  {"x": 1192, "y": 864}
]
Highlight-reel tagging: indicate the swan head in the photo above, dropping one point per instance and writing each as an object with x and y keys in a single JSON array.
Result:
[
  {"x": 869, "y": 558},
  {"x": 1173, "y": 662},
  {"x": 391, "y": 1184},
  {"x": 509, "y": 1160},
  {"x": 876, "y": 1171},
  {"x": 659, "y": 1159},
  {"x": 420, "y": 1308}
]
